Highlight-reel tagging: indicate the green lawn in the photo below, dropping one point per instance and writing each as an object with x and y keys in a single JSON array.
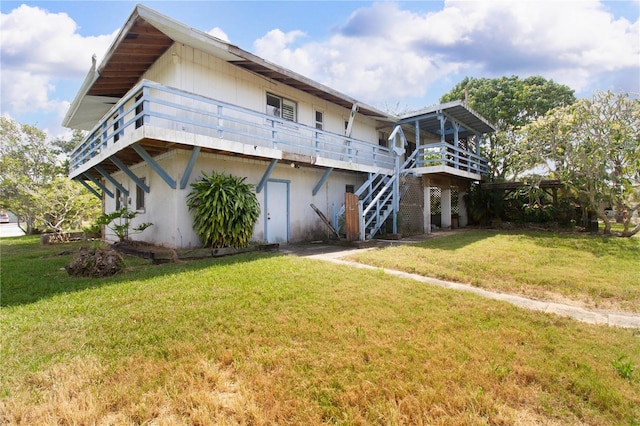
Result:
[
  {"x": 594, "y": 271},
  {"x": 268, "y": 339}
]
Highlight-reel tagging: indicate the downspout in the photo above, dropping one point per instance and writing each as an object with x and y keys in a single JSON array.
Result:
[{"x": 352, "y": 116}]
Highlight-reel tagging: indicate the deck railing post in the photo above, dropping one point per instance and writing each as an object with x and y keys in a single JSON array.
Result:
[
  {"x": 146, "y": 105},
  {"x": 220, "y": 121},
  {"x": 274, "y": 134}
]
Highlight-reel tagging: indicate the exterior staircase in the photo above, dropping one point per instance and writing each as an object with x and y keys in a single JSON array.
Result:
[{"x": 379, "y": 197}]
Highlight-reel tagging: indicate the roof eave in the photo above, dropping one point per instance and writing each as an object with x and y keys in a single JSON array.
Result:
[{"x": 181, "y": 33}]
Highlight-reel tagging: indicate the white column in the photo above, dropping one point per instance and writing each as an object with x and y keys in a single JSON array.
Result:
[
  {"x": 426, "y": 211},
  {"x": 445, "y": 202}
]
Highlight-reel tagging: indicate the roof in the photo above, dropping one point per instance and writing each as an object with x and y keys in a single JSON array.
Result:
[
  {"x": 456, "y": 110},
  {"x": 145, "y": 37}
]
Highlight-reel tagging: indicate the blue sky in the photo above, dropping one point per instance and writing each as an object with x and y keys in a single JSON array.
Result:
[{"x": 393, "y": 55}]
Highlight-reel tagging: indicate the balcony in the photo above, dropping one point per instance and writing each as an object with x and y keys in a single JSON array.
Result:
[
  {"x": 443, "y": 157},
  {"x": 162, "y": 118}
]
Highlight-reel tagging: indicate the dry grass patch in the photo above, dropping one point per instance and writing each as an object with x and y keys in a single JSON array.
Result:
[{"x": 591, "y": 271}]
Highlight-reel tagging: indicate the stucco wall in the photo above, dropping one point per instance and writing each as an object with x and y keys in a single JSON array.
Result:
[
  {"x": 167, "y": 209},
  {"x": 189, "y": 69}
]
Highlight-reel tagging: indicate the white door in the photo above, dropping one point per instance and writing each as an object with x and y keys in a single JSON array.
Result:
[{"x": 277, "y": 211}]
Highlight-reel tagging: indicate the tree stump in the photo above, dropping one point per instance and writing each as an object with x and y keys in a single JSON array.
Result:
[{"x": 95, "y": 263}]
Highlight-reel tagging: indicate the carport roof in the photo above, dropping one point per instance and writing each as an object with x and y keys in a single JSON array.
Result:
[{"x": 428, "y": 118}]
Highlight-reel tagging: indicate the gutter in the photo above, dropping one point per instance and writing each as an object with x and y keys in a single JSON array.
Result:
[{"x": 91, "y": 78}]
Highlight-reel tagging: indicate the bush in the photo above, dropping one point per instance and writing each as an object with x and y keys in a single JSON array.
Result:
[
  {"x": 225, "y": 210},
  {"x": 119, "y": 222}
]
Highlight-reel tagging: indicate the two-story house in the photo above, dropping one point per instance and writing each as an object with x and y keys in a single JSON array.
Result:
[{"x": 168, "y": 101}]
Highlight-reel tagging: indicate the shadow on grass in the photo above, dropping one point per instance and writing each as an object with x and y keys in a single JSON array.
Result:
[
  {"x": 31, "y": 272},
  {"x": 597, "y": 245},
  {"x": 455, "y": 241}
]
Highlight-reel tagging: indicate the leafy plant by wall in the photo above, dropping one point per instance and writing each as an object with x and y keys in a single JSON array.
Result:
[
  {"x": 224, "y": 208},
  {"x": 119, "y": 222}
]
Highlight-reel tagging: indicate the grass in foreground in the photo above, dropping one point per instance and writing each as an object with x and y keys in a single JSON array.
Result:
[
  {"x": 593, "y": 271},
  {"x": 272, "y": 340}
]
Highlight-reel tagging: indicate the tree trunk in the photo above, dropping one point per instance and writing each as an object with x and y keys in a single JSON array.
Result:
[
  {"x": 605, "y": 219},
  {"x": 630, "y": 233}
]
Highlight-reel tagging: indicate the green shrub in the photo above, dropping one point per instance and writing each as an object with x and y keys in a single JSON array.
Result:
[
  {"x": 224, "y": 208},
  {"x": 119, "y": 222}
]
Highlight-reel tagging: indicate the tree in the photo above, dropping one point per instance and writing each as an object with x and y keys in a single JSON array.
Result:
[
  {"x": 593, "y": 148},
  {"x": 30, "y": 169},
  {"x": 65, "y": 147},
  {"x": 26, "y": 164},
  {"x": 61, "y": 205},
  {"x": 225, "y": 210},
  {"x": 509, "y": 103}
]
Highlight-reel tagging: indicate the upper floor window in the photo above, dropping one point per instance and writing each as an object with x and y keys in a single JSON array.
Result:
[
  {"x": 284, "y": 108},
  {"x": 319, "y": 119},
  {"x": 383, "y": 139}
]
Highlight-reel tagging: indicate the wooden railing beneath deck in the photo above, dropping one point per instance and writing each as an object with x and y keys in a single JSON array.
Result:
[{"x": 153, "y": 104}]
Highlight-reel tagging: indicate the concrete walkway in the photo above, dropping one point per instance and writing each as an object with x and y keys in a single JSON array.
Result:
[{"x": 336, "y": 253}]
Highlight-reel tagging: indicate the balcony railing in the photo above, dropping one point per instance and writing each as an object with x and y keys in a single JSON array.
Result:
[
  {"x": 445, "y": 154},
  {"x": 152, "y": 104}
]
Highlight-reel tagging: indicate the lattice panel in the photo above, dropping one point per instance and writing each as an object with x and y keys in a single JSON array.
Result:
[
  {"x": 411, "y": 216},
  {"x": 455, "y": 208},
  {"x": 436, "y": 199}
]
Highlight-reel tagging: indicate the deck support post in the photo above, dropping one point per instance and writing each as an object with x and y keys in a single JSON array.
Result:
[
  {"x": 98, "y": 184},
  {"x": 266, "y": 175},
  {"x": 322, "y": 180},
  {"x": 89, "y": 187},
  {"x": 154, "y": 165},
  {"x": 187, "y": 171},
  {"x": 119, "y": 164},
  {"x": 445, "y": 203},
  {"x": 110, "y": 178},
  {"x": 427, "y": 209}
]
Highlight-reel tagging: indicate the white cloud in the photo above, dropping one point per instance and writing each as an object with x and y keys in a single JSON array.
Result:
[
  {"x": 37, "y": 49},
  {"x": 219, "y": 33},
  {"x": 385, "y": 53}
]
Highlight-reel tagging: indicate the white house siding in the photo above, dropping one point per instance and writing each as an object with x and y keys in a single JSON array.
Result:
[
  {"x": 192, "y": 70},
  {"x": 167, "y": 209}
]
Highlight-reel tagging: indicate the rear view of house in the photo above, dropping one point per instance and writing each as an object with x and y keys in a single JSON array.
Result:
[{"x": 168, "y": 102}]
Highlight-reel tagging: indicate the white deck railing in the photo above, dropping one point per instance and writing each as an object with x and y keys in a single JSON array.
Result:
[
  {"x": 445, "y": 154},
  {"x": 159, "y": 106}
]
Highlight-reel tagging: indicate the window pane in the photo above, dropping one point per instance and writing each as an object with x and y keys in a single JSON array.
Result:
[
  {"x": 140, "y": 196},
  {"x": 273, "y": 105},
  {"x": 288, "y": 110},
  {"x": 118, "y": 196},
  {"x": 319, "y": 120}
]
